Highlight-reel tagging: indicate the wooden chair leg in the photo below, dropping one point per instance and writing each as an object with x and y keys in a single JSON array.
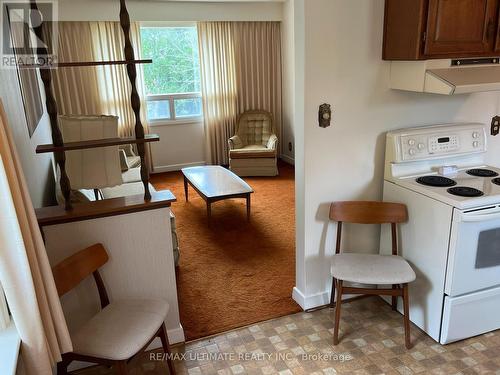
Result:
[
  {"x": 332, "y": 294},
  {"x": 394, "y": 299},
  {"x": 337, "y": 313},
  {"x": 62, "y": 367},
  {"x": 406, "y": 306},
  {"x": 166, "y": 348},
  {"x": 121, "y": 367}
]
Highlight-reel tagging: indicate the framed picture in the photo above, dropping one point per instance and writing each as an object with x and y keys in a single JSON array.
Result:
[{"x": 28, "y": 78}]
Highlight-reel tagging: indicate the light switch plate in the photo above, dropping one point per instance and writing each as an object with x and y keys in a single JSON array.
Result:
[{"x": 495, "y": 125}]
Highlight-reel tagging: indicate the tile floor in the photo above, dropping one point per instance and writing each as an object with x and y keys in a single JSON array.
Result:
[{"x": 371, "y": 337}]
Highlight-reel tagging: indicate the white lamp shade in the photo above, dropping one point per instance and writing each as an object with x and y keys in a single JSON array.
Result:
[{"x": 91, "y": 168}]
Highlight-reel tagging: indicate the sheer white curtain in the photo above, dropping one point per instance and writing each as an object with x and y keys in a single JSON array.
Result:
[
  {"x": 25, "y": 273},
  {"x": 240, "y": 70}
]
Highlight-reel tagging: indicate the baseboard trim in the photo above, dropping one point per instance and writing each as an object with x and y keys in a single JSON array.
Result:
[
  {"x": 176, "y": 335},
  {"x": 312, "y": 301},
  {"x": 176, "y": 167},
  {"x": 321, "y": 300},
  {"x": 287, "y": 159}
]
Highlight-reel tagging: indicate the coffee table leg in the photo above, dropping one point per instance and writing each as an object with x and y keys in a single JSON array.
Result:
[
  {"x": 248, "y": 207},
  {"x": 209, "y": 211},
  {"x": 186, "y": 188}
]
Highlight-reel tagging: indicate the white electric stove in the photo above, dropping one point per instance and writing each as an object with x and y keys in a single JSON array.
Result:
[{"x": 452, "y": 238}]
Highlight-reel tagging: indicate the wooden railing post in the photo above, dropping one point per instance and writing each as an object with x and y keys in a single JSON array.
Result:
[
  {"x": 134, "y": 97},
  {"x": 57, "y": 139}
]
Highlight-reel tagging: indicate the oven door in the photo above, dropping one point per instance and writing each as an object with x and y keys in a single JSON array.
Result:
[{"x": 474, "y": 253}]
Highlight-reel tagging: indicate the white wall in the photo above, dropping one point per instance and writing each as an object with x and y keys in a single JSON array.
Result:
[
  {"x": 147, "y": 10},
  {"x": 343, "y": 67},
  {"x": 288, "y": 69},
  {"x": 181, "y": 145},
  {"x": 37, "y": 168}
]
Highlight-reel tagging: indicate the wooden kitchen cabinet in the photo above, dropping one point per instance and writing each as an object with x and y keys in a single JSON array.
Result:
[{"x": 426, "y": 29}]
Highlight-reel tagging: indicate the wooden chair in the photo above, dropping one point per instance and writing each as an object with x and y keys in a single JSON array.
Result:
[
  {"x": 371, "y": 269},
  {"x": 121, "y": 330}
]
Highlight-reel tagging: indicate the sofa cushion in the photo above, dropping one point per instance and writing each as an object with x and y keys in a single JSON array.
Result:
[
  {"x": 124, "y": 190},
  {"x": 252, "y": 152},
  {"x": 133, "y": 161}
]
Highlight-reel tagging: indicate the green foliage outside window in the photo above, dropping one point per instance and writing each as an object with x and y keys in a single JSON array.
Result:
[{"x": 175, "y": 68}]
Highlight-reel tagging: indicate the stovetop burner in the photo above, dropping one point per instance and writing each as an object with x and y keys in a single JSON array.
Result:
[
  {"x": 496, "y": 181},
  {"x": 481, "y": 172},
  {"x": 437, "y": 181},
  {"x": 464, "y": 191}
]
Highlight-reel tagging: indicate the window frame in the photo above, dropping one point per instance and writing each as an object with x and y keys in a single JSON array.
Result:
[
  {"x": 173, "y": 120},
  {"x": 171, "y": 102}
]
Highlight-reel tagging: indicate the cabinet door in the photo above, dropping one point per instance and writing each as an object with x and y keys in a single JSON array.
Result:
[{"x": 461, "y": 27}]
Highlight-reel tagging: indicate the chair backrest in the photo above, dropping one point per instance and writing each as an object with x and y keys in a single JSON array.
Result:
[
  {"x": 73, "y": 270},
  {"x": 367, "y": 212},
  {"x": 255, "y": 127},
  {"x": 360, "y": 212}
]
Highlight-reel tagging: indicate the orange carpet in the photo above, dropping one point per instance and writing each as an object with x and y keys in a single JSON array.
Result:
[{"x": 234, "y": 272}]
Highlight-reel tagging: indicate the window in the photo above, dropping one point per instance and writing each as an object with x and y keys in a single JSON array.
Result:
[{"x": 173, "y": 79}]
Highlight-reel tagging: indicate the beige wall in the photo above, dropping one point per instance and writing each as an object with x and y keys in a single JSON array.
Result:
[
  {"x": 37, "y": 168},
  {"x": 343, "y": 67},
  {"x": 148, "y": 10}
]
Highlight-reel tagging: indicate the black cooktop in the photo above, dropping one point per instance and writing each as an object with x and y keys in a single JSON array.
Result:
[
  {"x": 437, "y": 181},
  {"x": 465, "y": 191},
  {"x": 481, "y": 172}
]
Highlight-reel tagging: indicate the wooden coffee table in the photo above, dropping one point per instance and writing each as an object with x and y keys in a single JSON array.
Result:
[{"x": 214, "y": 183}]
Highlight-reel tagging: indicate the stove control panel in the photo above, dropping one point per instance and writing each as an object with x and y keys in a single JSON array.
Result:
[{"x": 439, "y": 141}]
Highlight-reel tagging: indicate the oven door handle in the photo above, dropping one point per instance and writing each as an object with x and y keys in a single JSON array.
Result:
[{"x": 480, "y": 217}]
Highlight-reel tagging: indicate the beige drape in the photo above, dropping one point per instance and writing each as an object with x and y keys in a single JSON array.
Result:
[
  {"x": 103, "y": 90},
  {"x": 76, "y": 89},
  {"x": 219, "y": 87},
  {"x": 258, "y": 67},
  {"x": 25, "y": 273},
  {"x": 240, "y": 71}
]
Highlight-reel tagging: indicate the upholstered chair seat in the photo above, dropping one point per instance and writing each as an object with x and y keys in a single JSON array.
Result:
[
  {"x": 253, "y": 149},
  {"x": 372, "y": 269},
  {"x": 121, "y": 329}
]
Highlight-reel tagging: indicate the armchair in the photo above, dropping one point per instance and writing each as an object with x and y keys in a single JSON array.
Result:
[{"x": 253, "y": 149}]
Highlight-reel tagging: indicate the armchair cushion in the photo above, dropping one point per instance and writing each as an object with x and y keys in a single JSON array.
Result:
[
  {"x": 235, "y": 142},
  {"x": 255, "y": 127},
  {"x": 272, "y": 142},
  {"x": 252, "y": 152},
  {"x": 128, "y": 149},
  {"x": 123, "y": 160}
]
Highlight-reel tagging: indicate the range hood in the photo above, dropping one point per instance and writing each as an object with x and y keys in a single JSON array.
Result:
[{"x": 447, "y": 77}]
